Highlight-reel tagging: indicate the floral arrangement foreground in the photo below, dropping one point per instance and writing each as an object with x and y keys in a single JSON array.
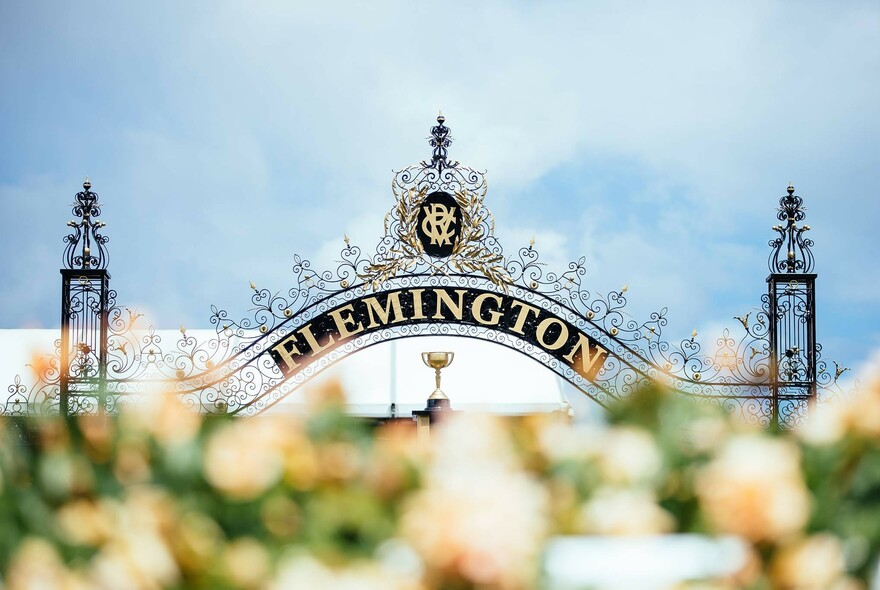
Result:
[{"x": 161, "y": 497}]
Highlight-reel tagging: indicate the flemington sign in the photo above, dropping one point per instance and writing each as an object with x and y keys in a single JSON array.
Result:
[
  {"x": 471, "y": 307},
  {"x": 438, "y": 269}
]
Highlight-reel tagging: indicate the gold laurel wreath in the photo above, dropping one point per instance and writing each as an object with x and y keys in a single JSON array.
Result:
[{"x": 469, "y": 254}]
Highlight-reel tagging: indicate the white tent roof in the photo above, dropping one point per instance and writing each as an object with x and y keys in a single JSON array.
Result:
[{"x": 482, "y": 377}]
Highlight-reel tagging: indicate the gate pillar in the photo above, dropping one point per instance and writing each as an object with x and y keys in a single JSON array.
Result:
[
  {"x": 791, "y": 307},
  {"x": 85, "y": 303}
]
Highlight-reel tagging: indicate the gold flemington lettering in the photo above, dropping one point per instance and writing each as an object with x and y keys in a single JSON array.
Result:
[
  {"x": 542, "y": 331},
  {"x": 417, "y": 304},
  {"x": 443, "y": 297},
  {"x": 494, "y": 314},
  {"x": 306, "y": 331},
  {"x": 342, "y": 322},
  {"x": 486, "y": 308},
  {"x": 286, "y": 356},
  {"x": 523, "y": 315},
  {"x": 587, "y": 360},
  {"x": 391, "y": 304}
]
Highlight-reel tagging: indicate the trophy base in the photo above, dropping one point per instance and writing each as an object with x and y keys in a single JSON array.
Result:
[
  {"x": 438, "y": 403},
  {"x": 437, "y": 409}
]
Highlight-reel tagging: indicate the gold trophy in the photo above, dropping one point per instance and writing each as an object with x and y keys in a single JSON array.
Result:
[{"x": 437, "y": 361}]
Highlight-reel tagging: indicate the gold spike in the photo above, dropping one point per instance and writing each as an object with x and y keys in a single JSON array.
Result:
[
  {"x": 345, "y": 239},
  {"x": 694, "y": 334},
  {"x": 532, "y": 241},
  {"x": 253, "y": 286},
  {"x": 182, "y": 329},
  {"x": 625, "y": 288}
]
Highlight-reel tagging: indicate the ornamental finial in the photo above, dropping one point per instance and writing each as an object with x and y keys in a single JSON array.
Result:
[
  {"x": 85, "y": 245},
  {"x": 791, "y": 250},
  {"x": 440, "y": 140}
]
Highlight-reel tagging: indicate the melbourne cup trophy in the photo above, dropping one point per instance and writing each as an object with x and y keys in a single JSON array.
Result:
[{"x": 437, "y": 361}]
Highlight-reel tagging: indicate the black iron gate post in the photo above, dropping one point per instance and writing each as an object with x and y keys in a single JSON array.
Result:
[
  {"x": 85, "y": 303},
  {"x": 791, "y": 307}
]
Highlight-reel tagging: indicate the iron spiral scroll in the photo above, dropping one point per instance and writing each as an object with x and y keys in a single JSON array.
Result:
[
  {"x": 232, "y": 372},
  {"x": 86, "y": 245}
]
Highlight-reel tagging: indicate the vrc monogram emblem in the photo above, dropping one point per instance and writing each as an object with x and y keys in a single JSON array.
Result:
[{"x": 439, "y": 224}]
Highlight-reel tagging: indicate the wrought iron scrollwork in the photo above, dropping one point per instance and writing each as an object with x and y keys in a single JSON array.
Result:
[
  {"x": 440, "y": 140},
  {"x": 791, "y": 251},
  {"x": 231, "y": 372},
  {"x": 86, "y": 246}
]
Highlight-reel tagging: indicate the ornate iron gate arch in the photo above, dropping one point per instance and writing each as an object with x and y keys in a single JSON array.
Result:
[{"x": 439, "y": 257}]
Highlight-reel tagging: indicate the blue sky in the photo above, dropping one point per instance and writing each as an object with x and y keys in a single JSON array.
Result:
[{"x": 654, "y": 138}]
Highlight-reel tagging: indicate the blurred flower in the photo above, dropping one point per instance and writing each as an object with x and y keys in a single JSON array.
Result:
[
  {"x": 132, "y": 465},
  {"x": 826, "y": 424},
  {"x": 41, "y": 365},
  {"x": 397, "y": 439},
  {"x": 137, "y": 556},
  {"x": 560, "y": 441},
  {"x": 866, "y": 410},
  {"x": 280, "y": 516},
  {"x": 859, "y": 415},
  {"x": 301, "y": 465},
  {"x": 52, "y": 433},
  {"x": 84, "y": 522},
  {"x": 195, "y": 541},
  {"x": 479, "y": 517},
  {"x": 324, "y": 395},
  {"x": 243, "y": 458},
  {"x": 98, "y": 433},
  {"x": 613, "y": 511},
  {"x": 623, "y": 454},
  {"x": 706, "y": 433},
  {"x": 388, "y": 473},
  {"x": 628, "y": 455},
  {"x": 754, "y": 488},
  {"x": 246, "y": 563},
  {"x": 813, "y": 563},
  {"x": 338, "y": 461},
  {"x": 162, "y": 415},
  {"x": 36, "y": 565},
  {"x": 65, "y": 473}
]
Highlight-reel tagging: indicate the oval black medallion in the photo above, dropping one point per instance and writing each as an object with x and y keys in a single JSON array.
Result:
[{"x": 439, "y": 224}]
